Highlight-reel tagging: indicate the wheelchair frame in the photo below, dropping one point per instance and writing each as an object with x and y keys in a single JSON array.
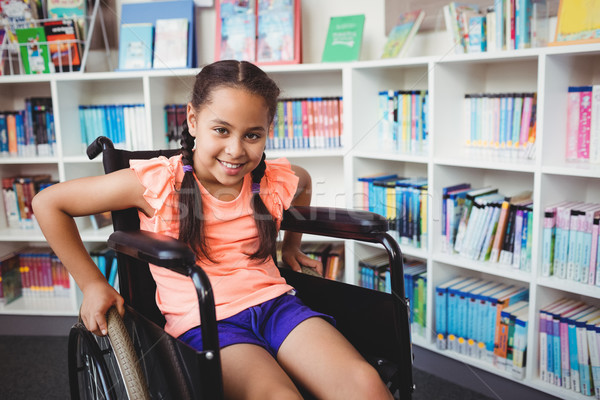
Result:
[{"x": 362, "y": 315}]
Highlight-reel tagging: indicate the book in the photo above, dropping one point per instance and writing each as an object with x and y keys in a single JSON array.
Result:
[
  {"x": 278, "y": 32},
  {"x": 441, "y": 311},
  {"x": 16, "y": 14},
  {"x": 344, "y": 38},
  {"x": 236, "y": 30},
  {"x": 64, "y": 47},
  {"x": 595, "y": 125},
  {"x": 577, "y": 22},
  {"x": 170, "y": 43},
  {"x": 34, "y": 50},
  {"x": 10, "y": 278},
  {"x": 402, "y": 34},
  {"x": 136, "y": 46},
  {"x": 71, "y": 9}
]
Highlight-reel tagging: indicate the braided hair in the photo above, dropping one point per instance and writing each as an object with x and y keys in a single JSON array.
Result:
[{"x": 233, "y": 74}]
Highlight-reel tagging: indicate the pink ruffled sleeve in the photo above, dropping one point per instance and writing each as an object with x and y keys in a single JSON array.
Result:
[
  {"x": 278, "y": 186},
  {"x": 159, "y": 176}
]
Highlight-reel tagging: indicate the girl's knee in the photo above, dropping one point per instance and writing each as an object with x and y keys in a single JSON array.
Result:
[{"x": 367, "y": 382}]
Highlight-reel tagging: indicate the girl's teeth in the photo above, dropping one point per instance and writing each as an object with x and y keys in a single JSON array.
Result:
[{"x": 228, "y": 165}]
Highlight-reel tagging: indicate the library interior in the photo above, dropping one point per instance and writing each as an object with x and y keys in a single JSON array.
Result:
[{"x": 454, "y": 154}]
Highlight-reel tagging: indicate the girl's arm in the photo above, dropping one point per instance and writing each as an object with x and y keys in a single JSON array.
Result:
[
  {"x": 290, "y": 250},
  {"x": 56, "y": 206}
]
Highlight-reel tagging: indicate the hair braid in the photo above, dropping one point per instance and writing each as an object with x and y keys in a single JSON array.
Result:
[{"x": 267, "y": 229}]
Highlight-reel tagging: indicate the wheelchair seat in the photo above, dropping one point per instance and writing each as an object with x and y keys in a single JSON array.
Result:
[{"x": 376, "y": 323}]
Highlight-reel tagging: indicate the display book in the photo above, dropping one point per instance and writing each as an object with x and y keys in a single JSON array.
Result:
[
  {"x": 484, "y": 225},
  {"x": 307, "y": 123},
  {"x": 344, "y": 38},
  {"x": 483, "y": 319},
  {"x": 583, "y": 124},
  {"x": 506, "y": 25},
  {"x": 374, "y": 273},
  {"x": 33, "y": 273},
  {"x": 28, "y": 132},
  {"x": 401, "y": 35},
  {"x": 569, "y": 343},
  {"x": 403, "y": 116},
  {"x": 124, "y": 124},
  {"x": 503, "y": 124},
  {"x": 403, "y": 201},
  {"x": 157, "y": 34},
  {"x": 49, "y": 35},
  {"x": 265, "y": 32}
]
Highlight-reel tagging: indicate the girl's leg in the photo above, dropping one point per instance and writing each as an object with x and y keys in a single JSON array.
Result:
[
  {"x": 250, "y": 372},
  {"x": 321, "y": 360}
]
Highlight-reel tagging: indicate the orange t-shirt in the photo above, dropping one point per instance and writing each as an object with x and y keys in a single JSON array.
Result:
[{"x": 238, "y": 282}]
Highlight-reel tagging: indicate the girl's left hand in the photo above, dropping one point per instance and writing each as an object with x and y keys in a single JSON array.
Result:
[{"x": 295, "y": 259}]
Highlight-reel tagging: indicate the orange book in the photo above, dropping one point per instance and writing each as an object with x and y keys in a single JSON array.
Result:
[
  {"x": 518, "y": 295},
  {"x": 11, "y": 127},
  {"x": 500, "y": 231}
]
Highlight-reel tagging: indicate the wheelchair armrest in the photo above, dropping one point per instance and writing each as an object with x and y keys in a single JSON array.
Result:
[
  {"x": 154, "y": 248},
  {"x": 335, "y": 222}
]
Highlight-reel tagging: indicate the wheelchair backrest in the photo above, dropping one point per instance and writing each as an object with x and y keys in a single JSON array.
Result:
[{"x": 141, "y": 294}]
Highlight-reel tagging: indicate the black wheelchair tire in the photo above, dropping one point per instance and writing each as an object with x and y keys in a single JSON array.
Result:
[{"x": 105, "y": 367}]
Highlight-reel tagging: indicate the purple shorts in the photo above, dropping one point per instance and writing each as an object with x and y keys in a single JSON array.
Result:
[{"x": 266, "y": 325}]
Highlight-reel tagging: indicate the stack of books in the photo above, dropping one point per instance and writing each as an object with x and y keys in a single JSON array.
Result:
[
  {"x": 18, "y": 192},
  {"x": 569, "y": 338},
  {"x": 483, "y": 225},
  {"x": 374, "y": 273},
  {"x": 570, "y": 242},
  {"x": 402, "y": 201},
  {"x": 307, "y": 123},
  {"x": 483, "y": 319},
  {"x": 124, "y": 124},
  {"x": 28, "y": 132},
  {"x": 403, "y": 118}
]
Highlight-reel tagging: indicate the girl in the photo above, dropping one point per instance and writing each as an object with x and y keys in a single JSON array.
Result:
[{"x": 226, "y": 202}]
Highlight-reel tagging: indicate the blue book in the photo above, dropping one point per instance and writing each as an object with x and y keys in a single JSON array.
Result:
[
  {"x": 583, "y": 352},
  {"x": 3, "y": 135},
  {"x": 573, "y": 347},
  {"x": 136, "y": 46},
  {"x": 453, "y": 321},
  {"x": 441, "y": 311},
  {"x": 445, "y": 192},
  {"x": 368, "y": 188}
]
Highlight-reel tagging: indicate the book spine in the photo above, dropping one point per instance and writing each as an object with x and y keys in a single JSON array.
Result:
[
  {"x": 572, "y": 253},
  {"x": 573, "y": 359},
  {"x": 593, "y": 273},
  {"x": 585, "y": 110},
  {"x": 595, "y": 125},
  {"x": 543, "y": 357},
  {"x": 548, "y": 239},
  {"x": 573, "y": 99}
]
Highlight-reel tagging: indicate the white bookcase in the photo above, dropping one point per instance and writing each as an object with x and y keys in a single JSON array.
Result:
[{"x": 547, "y": 71}]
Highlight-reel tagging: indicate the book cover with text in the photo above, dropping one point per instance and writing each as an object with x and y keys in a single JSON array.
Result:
[{"x": 344, "y": 38}]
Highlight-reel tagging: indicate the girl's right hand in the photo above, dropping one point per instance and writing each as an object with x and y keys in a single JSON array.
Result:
[{"x": 98, "y": 298}]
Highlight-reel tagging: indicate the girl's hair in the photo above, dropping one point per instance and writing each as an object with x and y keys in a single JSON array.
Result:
[{"x": 238, "y": 75}]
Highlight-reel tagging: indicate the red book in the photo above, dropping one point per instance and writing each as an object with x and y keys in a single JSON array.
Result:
[{"x": 64, "y": 46}]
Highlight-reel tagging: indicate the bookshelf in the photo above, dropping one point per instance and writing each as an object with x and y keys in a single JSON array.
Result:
[{"x": 547, "y": 71}]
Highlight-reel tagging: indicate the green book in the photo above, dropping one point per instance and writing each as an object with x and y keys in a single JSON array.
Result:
[
  {"x": 34, "y": 50},
  {"x": 344, "y": 38}
]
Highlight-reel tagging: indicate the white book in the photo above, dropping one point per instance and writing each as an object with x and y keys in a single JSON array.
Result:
[{"x": 171, "y": 43}]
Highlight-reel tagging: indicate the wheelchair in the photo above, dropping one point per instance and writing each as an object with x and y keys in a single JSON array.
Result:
[{"x": 139, "y": 360}]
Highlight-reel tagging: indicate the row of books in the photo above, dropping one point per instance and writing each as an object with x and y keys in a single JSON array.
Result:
[
  {"x": 261, "y": 31},
  {"x": 106, "y": 260},
  {"x": 569, "y": 340},
  {"x": 330, "y": 255},
  {"x": 32, "y": 273},
  {"x": 583, "y": 124},
  {"x": 304, "y": 123},
  {"x": 28, "y": 132},
  {"x": 175, "y": 116},
  {"x": 402, "y": 201},
  {"x": 570, "y": 242},
  {"x": 506, "y": 25},
  {"x": 374, "y": 273},
  {"x": 483, "y": 319},
  {"x": 505, "y": 123},
  {"x": 124, "y": 124},
  {"x": 163, "y": 44},
  {"x": 483, "y": 225},
  {"x": 403, "y": 118},
  {"x": 18, "y": 192}
]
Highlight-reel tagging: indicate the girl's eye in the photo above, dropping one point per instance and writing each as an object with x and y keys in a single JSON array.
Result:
[
  {"x": 221, "y": 131},
  {"x": 253, "y": 136}
]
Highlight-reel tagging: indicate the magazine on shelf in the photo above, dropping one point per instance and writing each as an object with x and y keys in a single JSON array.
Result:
[
  {"x": 34, "y": 52},
  {"x": 135, "y": 46},
  {"x": 62, "y": 41},
  {"x": 170, "y": 43},
  {"x": 344, "y": 38}
]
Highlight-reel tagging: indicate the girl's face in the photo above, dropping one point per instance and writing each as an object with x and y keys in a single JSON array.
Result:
[{"x": 231, "y": 133}]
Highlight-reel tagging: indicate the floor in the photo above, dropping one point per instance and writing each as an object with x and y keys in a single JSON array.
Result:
[{"x": 36, "y": 368}]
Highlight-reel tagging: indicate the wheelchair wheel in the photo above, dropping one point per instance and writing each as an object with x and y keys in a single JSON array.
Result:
[{"x": 104, "y": 367}]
